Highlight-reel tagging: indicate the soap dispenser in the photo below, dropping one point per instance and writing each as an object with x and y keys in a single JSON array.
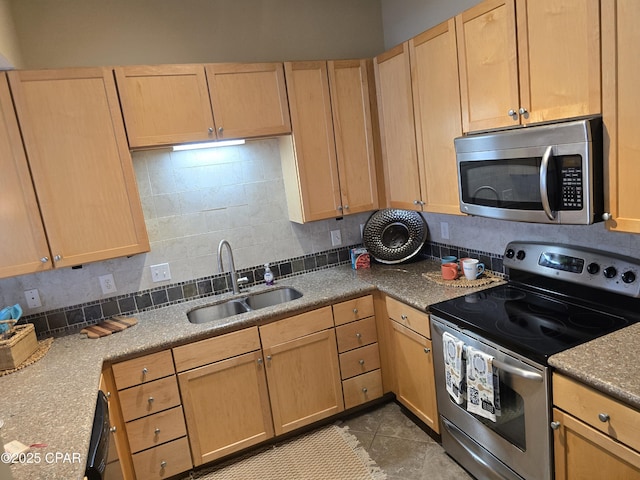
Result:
[{"x": 268, "y": 275}]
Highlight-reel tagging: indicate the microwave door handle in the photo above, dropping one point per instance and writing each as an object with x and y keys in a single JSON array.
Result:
[{"x": 544, "y": 192}]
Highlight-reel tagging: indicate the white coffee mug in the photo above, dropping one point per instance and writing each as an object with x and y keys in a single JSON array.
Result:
[{"x": 472, "y": 268}]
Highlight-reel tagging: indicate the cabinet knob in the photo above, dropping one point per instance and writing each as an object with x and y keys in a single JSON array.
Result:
[
  {"x": 427, "y": 350},
  {"x": 358, "y": 336},
  {"x": 268, "y": 358},
  {"x": 355, "y": 310},
  {"x": 339, "y": 208},
  {"x": 416, "y": 202},
  {"x": 555, "y": 425},
  {"x": 157, "y": 431},
  {"x": 260, "y": 362},
  {"x": 210, "y": 129},
  {"x": 361, "y": 362},
  {"x": 113, "y": 429},
  {"x": 403, "y": 317},
  {"x": 603, "y": 417},
  {"x": 57, "y": 258},
  {"x": 163, "y": 464},
  {"x": 346, "y": 207},
  {"x": 606, "y": 216},
  {"x": 145, "y": 370},
  {"x": 44, "y": 259},
  {"x": 523, "y": 111},
  {"x": 150, "y": 400},
  {"x": 220, "y": 130},
  {"x": 364, "y": 390},
  {"x": 512, "y": 113}
]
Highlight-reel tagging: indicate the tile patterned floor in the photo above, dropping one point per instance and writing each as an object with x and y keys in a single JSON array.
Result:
[{"x": 401, "y": 448}]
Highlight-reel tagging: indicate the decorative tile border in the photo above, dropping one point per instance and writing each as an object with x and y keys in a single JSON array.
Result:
[{"x": 64, "y": 321}]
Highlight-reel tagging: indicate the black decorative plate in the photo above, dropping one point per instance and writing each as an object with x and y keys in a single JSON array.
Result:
[{"x": 394, "y": 236}]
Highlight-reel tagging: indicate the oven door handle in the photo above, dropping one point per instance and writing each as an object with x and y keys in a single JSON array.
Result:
[
  {"x": 520, "y": 372},
  {"x": 544, "y": 192}
]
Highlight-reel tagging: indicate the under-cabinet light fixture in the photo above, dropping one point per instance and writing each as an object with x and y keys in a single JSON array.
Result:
[{"x": 195, "y": 146}]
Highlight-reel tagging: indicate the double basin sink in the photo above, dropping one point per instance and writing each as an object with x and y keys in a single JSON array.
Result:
[{"x": 234, "y": 306}]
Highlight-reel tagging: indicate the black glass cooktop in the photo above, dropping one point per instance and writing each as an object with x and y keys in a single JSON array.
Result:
[{"x": 528, "y": 322}]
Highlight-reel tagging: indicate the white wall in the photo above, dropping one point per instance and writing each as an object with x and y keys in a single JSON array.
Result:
[
  {"x": 9, "y": 48},
  {"x": 56, "y": 33},
  {"x": 403, "y": 19}
]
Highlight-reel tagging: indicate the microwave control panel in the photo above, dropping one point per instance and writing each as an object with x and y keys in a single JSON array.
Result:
[{"x": 572, "y": 191}]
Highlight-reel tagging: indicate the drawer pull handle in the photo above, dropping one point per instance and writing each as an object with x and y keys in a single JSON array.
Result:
[
  {"x": 364, "y": 390},
  {"x": 403, "y": 317},
  {"x": 355, "y": 310},
  {"x": 555, "y": 425},
  {"x": 427, "y": 350},
  {"x": 157, "y": 431},
  {"x": 150, "y": 400},
  {"x": 361, "y": 362},
  {"x": 603, "y": 417},
  {"x": 163, "y": 464}
]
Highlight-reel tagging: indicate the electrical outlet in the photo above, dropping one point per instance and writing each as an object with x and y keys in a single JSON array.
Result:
[
  {"x": 33, "y": 298},
  {"x": 336, "y": 238},
  {"x": 107, "y": 284},
  {"x": 444, "y": 230},
  {"x": 160, "y": 272}
]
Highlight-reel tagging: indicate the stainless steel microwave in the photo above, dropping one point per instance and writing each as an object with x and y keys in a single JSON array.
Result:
[{"x": 548, "y": 173}]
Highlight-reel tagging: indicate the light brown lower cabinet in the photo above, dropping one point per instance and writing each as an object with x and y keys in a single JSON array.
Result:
[
  {"x": 302, "y": 369},
  {"x": 593, "y": 433}
]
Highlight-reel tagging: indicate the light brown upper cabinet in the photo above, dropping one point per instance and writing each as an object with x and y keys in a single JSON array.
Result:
[
  {"x": 329, "y": 163},
  {"x": 23, "y": 244},
  {"x": 80, "y": 164},
  {"x": 548, "y": 70},
  {"x": 436, "y": 105},
  {"x": 620, "y": 104},
  {"x": 172, "y": 104},
  {"x": 402, "y": 173}
]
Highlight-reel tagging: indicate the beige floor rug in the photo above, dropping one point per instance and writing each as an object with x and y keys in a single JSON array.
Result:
[{"x": 331, "y": 453}]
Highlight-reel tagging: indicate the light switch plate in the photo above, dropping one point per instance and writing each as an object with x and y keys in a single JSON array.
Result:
[
  {"x": 336, "y": 238},
  {"x": 444, "y": 230},
  {"x": 160, "y": 272}
]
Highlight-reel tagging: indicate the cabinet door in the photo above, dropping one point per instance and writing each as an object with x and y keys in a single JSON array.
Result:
[
  {"x": 165, "y": 104},
  {"x": 436, "y": 100},
  {"x": 226, "y": 405},
  {"x": 559, "y": 58},
  {"x": 311, "y": 169},
  {"x": 81, "y": 167},
  {"x": 248, "y": 99},
  {"x": 23, "y": 244},
  {"x": 304, "y": 380},
  {"x": 487, "y": 57},
  {"x": 621, "y": 103},
  {"x": 397, "y": 129},
  {"x": 413, "y": 358},
  {"x": 351, "y": 109},
  {"x": 580, "y": 450}
]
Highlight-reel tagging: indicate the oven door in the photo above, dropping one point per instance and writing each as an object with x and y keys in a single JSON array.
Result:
[{"x": 518, "y": 444}]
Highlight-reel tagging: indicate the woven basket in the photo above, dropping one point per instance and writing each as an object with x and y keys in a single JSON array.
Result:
[{"x": 18, "y": 347}]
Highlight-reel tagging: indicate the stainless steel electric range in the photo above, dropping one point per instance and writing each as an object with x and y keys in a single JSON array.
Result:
[{"x": 557, "y": 297}]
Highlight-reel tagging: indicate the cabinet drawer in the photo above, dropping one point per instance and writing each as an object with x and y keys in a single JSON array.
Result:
[
  {"x": 361, "y": 389},
  {"x": 149, "y": 398},
  {"x": 215, "y": 349},
  {"x": 295, "y": 327},
  {"x": 352, "y": 310},
  {"x": 156, "y": 429},
  {"x": 143, "y": 369},
  {"x": 359, "y": 361},
  {"x": 163, "y": 461},
  {"x": 409, "y": 317},
  {"x": 356, "y": 334},
  {"x": 587, "y": 404}
]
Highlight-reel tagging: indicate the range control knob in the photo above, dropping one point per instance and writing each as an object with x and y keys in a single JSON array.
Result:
[
  {"x": 520, "y": 255},
  {"x": 510, "y": 253},
  {"x": 628, "y": 277},
  {"x": 593, "y": 268},
  {"x": 610, "y": 272}
]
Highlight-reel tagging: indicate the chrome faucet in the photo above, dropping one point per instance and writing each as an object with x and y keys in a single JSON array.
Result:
[{"x": 235, "y": 281}]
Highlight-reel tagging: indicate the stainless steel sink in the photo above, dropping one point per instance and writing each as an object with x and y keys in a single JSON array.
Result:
[
  {"x": 272, "y": 297},
  {"x": 222, "y": 310}
]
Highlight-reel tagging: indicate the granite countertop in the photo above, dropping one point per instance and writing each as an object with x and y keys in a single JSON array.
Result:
[{"x": 52, "y": 401}]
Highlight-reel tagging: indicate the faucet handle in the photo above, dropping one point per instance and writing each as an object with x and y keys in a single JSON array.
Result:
[{"x": 243, "y": 280}]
